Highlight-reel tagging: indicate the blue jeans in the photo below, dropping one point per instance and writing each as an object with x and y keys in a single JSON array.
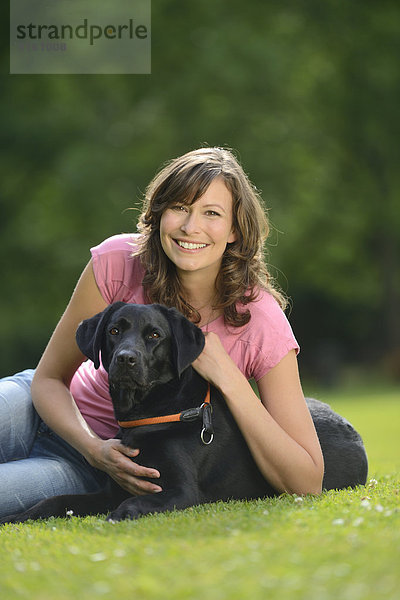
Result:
[{"x": 35, "y": 463}]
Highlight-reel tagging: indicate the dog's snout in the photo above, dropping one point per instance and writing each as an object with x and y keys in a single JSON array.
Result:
[{"x": 127, "y": 358}]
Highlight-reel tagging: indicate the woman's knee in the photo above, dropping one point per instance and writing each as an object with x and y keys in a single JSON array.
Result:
[
  {"x": 23, "y": 483},
  {"x": 18, "y": 418}
]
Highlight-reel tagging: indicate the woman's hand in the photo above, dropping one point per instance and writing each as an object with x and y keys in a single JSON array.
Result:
[
  {"x": 215, "y": 364},
  {"x": 114, "y": 458}
]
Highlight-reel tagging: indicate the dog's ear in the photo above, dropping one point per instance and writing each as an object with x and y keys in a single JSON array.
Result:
[
  {"x": 90, "y": 334},
  {"x": 187, "y": 339}
]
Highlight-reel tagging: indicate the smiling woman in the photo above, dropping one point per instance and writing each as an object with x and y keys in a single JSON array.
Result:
[{"x": 199, "y": 249}]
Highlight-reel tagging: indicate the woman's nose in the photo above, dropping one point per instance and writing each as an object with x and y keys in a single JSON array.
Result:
[{"x": 191, "y": 223}]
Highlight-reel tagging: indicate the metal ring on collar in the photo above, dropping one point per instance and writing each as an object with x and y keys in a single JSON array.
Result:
[{"x": 203, "y": 431}]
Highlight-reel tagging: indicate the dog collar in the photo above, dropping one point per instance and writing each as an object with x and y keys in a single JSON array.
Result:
[{"x": 191, "y": 414}]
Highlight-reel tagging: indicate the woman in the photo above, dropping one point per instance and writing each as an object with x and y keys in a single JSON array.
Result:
[{"x": 199, "y": 248}]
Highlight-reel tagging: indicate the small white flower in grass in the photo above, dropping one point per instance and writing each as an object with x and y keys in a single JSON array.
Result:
[
  {"x": 298, "y": 499},
  {"x": 70, "y": 513},
  {"x": 338, "y": 522},
  {"x": 357, "y": 522},
  {"x": 265, "y": 512},
  {"x": 372, "y": 483},
  {"x": 365, "y": 503},
  {"x": 379, "y": 508},
  {"x": 98, "y": 557},
  {"x": 388, "y": 513}
]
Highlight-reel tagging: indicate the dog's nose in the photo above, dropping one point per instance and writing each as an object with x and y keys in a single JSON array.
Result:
[{"x": 127, "y": 357}]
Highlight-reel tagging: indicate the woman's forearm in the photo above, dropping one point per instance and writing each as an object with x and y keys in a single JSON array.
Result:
[
  {"x": 282, "y": 460},
  {"x": 278, "y": 430},
  {"x": 56, "y": 406}
]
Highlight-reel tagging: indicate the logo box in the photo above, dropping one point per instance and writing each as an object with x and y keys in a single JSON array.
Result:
[{"x": 80, "y": 36}]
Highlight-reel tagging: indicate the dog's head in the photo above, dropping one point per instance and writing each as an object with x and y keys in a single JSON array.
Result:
[{"x": 140, "y": 345}]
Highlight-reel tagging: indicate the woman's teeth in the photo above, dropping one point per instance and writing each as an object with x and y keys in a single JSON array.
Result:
[{"x": 190, "y": 245}]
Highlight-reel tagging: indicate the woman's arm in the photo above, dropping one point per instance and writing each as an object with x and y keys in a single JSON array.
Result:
[
  {"x": 279, "y": 430},
  {"x": 56, "y": 406}
]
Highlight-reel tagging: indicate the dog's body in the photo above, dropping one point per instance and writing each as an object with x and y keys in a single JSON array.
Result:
[{"x": 147, "y": 351}]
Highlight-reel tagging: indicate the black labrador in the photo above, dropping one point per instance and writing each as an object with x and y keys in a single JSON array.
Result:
[{"x": 196, "y": 445}]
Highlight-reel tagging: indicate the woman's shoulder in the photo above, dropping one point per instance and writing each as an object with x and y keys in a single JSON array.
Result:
[
  {"x": 260, "y": 344},
  {"x": 268, "y": 326},
  {"x": 118, "y": 271},
  {"x": 265, "y": 309},
  {"x": 123, "y": 242},
  {"x": 267, "y": 321}
]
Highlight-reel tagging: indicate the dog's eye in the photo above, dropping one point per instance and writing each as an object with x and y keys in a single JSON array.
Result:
[
  {"x": 114, "y": 331},
  {"x": 154, "y": 335}
]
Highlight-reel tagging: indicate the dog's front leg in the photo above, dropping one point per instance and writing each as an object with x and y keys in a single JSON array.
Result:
[
  {"x": 138, "y": 506},
  {"x": 79, "y": 505}
]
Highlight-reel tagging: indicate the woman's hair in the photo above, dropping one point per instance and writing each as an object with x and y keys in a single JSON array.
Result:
[{"x": 243, "y": 272}]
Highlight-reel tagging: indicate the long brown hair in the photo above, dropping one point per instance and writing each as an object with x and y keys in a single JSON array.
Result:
[{"x": 243, "y": 271}]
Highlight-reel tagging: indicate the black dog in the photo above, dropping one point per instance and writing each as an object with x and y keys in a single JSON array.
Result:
[{"x": 201, "y": 455}]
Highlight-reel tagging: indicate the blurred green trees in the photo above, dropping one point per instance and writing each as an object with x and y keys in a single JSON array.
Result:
[{"x": 307, "y": 94}]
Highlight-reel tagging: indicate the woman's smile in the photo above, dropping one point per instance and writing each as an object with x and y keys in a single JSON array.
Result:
[{"x": 190, "y": 246}]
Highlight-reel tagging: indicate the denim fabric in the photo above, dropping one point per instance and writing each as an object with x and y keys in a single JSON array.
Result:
[{"x": 35, "y": 463}]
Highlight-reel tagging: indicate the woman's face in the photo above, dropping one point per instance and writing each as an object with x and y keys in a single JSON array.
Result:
[{"x": 195, "y": 237}]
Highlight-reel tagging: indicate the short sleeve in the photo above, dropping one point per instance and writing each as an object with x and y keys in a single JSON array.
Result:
[
  {"x": 263, "y": 362},
  {"x": 118, "y": 273},
  {"x": 272, "y": 338},
  {"x": 260, "y": 345}
]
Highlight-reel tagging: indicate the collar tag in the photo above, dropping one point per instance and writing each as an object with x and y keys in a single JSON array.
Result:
[{"x": 191, "y": 414}]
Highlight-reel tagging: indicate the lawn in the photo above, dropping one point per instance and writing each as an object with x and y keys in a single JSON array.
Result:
[{"x": 341, "y": 545}]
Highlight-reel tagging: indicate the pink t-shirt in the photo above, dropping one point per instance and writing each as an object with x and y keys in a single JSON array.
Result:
[{"x": 255, "y": 348}]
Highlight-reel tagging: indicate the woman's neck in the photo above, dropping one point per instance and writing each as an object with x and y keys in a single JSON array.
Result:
[{"x": 200, "y": 293}]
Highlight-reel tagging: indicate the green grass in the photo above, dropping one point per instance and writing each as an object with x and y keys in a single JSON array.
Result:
[{"x": 341, "y": 545}]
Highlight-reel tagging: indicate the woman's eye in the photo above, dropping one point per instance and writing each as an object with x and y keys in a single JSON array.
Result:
[
  {"x": 114, "y": 331},
  {"x": 212, "y": 213},
  {"x": 179, "y": 208}
]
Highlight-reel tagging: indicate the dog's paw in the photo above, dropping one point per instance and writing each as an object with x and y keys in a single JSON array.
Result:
[
  {"x": 130, "y": 509},
  {"x": 122, "y": 515}
]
